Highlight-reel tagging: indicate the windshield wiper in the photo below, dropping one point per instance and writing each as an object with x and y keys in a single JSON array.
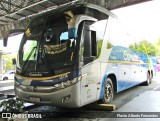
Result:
[{"x": 25, "y": 63}]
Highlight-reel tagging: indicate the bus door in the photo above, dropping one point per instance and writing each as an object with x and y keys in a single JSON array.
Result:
[
  {"x": 89, "y": 82},
  {"x": 90, "y": 68}
]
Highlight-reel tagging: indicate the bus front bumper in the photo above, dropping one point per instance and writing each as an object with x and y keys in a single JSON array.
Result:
[{"x": 66, "y": 97}]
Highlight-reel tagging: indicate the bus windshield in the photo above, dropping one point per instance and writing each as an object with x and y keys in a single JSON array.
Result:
[{"x": 48, "y": 47}]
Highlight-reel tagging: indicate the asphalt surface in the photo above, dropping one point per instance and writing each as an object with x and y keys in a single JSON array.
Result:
[
  {"x": 6, "y": 87},
  {"x": 6, "y": 83}
]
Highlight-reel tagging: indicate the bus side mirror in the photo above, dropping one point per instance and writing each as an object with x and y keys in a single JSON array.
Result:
[{"x": 11, "y": 33}]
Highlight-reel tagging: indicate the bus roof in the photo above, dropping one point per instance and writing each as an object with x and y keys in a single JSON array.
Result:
[{"x": 76, "y": 5}]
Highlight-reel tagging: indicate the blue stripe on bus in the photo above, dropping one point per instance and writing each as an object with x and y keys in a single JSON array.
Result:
[
  {"x": 124, "y": 84},
  {"x": 102, "y": 86}
]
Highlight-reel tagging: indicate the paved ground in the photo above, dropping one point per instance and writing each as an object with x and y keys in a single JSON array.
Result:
[
  {"x": 6, "y": 83},
  {"x": 6, "y": 87}
]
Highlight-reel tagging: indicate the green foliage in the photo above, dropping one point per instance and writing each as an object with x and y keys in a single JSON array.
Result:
[
  {"x": 8, "y": 61},
  {"x": 144, "y": 47},
  {"x": 13, "y": 105},
  {"x": 109, "y": 45},
  {"x": 99, "y": 46},
  {"x": 28, "y": 48},
  {"x": 157, "y": 46}
]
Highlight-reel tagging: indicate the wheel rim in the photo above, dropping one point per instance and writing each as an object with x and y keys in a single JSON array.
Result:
[{"x": 108, "y": 92}]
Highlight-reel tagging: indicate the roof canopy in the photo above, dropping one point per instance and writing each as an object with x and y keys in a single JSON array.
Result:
[{"x": 17, "y": 13}]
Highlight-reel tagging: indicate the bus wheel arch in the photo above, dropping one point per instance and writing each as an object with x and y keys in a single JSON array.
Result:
[
  {"x": 5, "y": 78},
  {"x": 114, "y": 81},
  {"x": 110, "y": 88}
]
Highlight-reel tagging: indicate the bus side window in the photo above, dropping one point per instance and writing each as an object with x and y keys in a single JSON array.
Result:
[
  {"x": 90, "y": 45},
  {"x": 94, "y": 43},
  {"x": 92, "y": 39}
]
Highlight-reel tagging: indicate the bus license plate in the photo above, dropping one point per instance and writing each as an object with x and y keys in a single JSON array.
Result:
[{"x": 35, "y": 99}]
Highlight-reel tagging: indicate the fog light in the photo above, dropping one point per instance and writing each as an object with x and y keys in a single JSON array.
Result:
[{"x": 66, "y": 98}]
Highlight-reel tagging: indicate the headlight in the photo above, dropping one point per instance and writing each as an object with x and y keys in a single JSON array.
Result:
[{"x": 66, "y": 84}]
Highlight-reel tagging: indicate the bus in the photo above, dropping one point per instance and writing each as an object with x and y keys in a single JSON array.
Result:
[{"x": 75, "y": 55}]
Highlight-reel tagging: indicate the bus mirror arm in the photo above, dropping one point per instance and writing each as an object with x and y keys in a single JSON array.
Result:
[
  {"x": 11, "y": 33},
  {"x": 5, "y": 41}
]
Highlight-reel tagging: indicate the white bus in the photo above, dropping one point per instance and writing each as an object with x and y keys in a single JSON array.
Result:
[{"x": 75, "y": 55}]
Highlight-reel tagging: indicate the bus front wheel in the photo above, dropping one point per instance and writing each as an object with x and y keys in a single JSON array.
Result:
[{"x": 108, "y": 92}]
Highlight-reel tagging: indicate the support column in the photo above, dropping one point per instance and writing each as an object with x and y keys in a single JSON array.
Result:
[{"x": 1, "y": 63}]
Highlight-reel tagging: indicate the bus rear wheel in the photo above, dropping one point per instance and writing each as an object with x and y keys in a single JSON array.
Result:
[
  {"x": 149, "y": 80},
  {"x": 108, "y": 92}
]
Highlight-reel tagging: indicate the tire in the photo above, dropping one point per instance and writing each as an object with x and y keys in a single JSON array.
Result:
[
  {"x": 108, "y": 92},
  {"x": 148, "y": 81},
  {"x": 5, "y": 78}
]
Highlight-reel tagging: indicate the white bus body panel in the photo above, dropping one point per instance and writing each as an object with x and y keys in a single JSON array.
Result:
[{"x": 89, "y": 82}]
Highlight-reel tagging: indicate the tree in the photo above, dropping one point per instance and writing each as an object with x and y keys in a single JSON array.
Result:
[
  {"x": 109, "y": 45},
  {"x": 7, "y": 58},
  {"x": 144, "y": 47},
  {"x": 157, "y": 46}
]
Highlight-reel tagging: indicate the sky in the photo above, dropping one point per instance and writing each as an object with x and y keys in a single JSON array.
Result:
[
  {"x": 142, "y": 19},
  {"x": 13, "y": 43}
]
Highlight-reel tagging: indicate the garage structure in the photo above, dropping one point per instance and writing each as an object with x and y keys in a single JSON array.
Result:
[
  {"x": 1, "y": 62},
  {"x": 16, "y": 14}
]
